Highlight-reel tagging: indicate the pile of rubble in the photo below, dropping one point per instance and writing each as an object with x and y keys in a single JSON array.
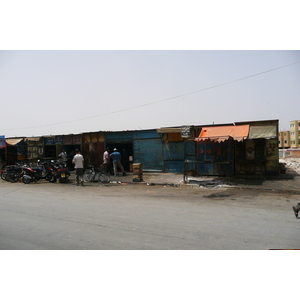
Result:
[{"x": 291, "y": 162}]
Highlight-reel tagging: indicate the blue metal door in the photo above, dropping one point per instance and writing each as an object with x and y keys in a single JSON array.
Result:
[
  {"x": 149, "y": 153},
  {"x": 215, "y": 158},
  {"x": 173, "y": 157}
]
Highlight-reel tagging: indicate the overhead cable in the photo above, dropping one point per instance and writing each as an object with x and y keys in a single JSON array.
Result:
[{"x": 163, "y": 100}]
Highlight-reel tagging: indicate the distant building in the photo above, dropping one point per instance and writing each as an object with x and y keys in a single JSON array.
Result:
[
  {"x": 289, "y": 141},
  {"x": 295, "y": 133},
  {"x": 284, "y": 139}
]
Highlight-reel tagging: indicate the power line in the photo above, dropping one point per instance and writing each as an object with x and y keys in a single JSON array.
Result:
[{"x": 164, "y": 100}]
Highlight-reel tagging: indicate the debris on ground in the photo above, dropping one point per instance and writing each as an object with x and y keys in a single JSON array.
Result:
[{"x": 291, "y": 162}]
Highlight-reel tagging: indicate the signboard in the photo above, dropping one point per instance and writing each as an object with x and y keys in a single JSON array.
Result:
[
  {"x": 2, "y": 141},
  {"x": 185, "y": 131},
  {"x": 57, "y": 140},
  {"x": 21, "y": 151}
]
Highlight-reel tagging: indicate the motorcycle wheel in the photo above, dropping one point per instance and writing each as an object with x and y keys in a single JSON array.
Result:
[
  {"x": 51, "y": 178},
  {"x": 87, "y": 177},
  {"x": 13, "y": 177},
  {"x": 4, "y": 176},
  {"x": 104, "y": 178},
  {"x": 25, "y": 180}
]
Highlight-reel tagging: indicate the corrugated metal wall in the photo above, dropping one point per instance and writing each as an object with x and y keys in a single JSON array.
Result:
[
  {"x": 173, "y": 157},
  {"x": 146, "y": 145},
  {"x": 215, "y": 158},
  {"x": 93, "y": 148},
  {"x": 149, "y": 153}
]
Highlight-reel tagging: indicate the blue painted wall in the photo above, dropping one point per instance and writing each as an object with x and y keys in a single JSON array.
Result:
[{"x": 149, "y": 153}]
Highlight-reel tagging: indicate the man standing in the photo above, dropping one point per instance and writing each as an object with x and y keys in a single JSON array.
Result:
[
  {"x": 63, "y": 156},
  {"x": 117, "y": 162},
  {"x": 106, "y": 161},
  {"x": 78, "y": 161}
]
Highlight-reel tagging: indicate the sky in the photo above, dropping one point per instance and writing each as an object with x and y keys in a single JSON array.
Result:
[
  {"x": 73, "y": 91},
  {"x": 114, "y": 66}
]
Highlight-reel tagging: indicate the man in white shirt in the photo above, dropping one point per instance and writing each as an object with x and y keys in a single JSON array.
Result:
[
  {"x": 63, "y": 156},
  {"x": 106, "y": 161},
  {"x": 79, "y": 163}
]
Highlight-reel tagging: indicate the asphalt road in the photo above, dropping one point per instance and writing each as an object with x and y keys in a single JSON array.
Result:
[{"x": 136, "y": 216}]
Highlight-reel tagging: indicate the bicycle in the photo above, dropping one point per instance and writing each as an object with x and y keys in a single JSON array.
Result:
[{"x": 90, "y": 175}]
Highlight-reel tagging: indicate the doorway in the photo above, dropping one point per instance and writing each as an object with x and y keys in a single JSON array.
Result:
[{"x": 126, "y": 151}]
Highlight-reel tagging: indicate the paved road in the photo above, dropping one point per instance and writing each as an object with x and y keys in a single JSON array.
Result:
[{"x": 129, "y": 216}]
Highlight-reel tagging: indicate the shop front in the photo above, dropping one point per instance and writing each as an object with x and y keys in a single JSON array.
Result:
[
  {"x": 15, "y": 150},
  {"x": 52, "y": 147},
  {"x": 240, "y": 149},
  {"x": 35, "y": 148},
  {"x": 93, "y": 148}
]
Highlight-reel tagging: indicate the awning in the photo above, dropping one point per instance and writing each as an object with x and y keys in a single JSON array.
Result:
[
  {"x": 169, "y": 130},
  {"x": 33, "y": 139},
  {"x": 263, "y": 132},
  {"x": 13, "y": 142},
  {"x": 223, "y": 133}
]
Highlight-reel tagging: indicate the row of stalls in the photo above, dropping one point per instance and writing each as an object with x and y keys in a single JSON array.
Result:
[{"x": 244, "y": 148}]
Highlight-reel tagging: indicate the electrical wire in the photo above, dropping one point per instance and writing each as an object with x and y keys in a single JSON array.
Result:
[{"x": 163, "y": 100}]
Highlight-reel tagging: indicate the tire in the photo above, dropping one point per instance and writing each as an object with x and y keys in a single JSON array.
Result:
[
  {"x": 4, "y": 175},
  {"x": 51, "y": 178},
  {"x": 25, "y": 180},
  {"x": 13, "y": 177},
  {"x": 87, "y": 177},
  {"x": 104, "y": 178}
]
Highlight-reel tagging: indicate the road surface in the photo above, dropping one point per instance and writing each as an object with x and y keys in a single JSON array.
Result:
[{"x": 137, "y": 216}]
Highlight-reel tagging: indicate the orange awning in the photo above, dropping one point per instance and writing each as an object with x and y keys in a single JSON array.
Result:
[{"x": 223, "y": 133}]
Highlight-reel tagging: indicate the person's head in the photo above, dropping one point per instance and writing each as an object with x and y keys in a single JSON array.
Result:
[
  {"x": 115, "y": 149},
  {"x": 77, "y": 151}
]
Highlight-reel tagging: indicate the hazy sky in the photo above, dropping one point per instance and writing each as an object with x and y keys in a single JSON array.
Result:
[{"x": 62, "y": 92}]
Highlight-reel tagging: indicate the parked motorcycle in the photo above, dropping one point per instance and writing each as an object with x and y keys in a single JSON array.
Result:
[
  {"x": 12, "y": 173},
  {"x": 60, "y": 171},
  {"x": 34, "y": 174},
  {"x": 3, "y": 173}
]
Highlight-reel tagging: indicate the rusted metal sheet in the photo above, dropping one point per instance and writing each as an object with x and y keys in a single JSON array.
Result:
[
  {"x": 93, "y": 153},
  {"x": 93, "y": 137},
  {"x": 173, "y": 137}
]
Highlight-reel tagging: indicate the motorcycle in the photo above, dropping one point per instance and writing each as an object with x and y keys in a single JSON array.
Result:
[
  {"x": 34, "y": 174},
  {"x": 13, "y": 173},
  {"x": 60, "y": 171}
]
